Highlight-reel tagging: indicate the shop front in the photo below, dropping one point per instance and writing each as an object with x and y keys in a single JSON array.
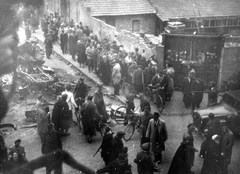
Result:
[{"x": 203, "y": 52}]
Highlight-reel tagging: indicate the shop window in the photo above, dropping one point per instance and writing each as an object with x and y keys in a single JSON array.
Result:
[
  {"x": 194, "y": 25},
  {"x": 188, "y": 24},
  {"x": 230, "y": 22},
  {"x": 212, "y": 23},
  {"x": 235, "y": 22},
  {"x": 218, "y": 22},
  {"x": 206, "y": 23},
  {"x": 136, "y": 25},
  {"x": 224, "y": 22}
]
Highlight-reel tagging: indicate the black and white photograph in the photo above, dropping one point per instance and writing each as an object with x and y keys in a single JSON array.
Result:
[{"x": 120, "y": 86}]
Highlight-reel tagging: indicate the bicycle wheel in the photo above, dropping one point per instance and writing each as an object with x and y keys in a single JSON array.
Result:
[
  {"x": 129, "y": 130},
  {"x": 148, "y": 93},
  {"x": 159, "y": 103},
  {"x": 120, "y": 114}
]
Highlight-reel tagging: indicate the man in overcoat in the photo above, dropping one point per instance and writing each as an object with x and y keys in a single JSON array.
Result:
[
  {"x": 157, "y": 132},
  {"x": 106, "y": 146},
  {"x": 226, "y": 144},
  {"x": 186, "y": 89},
  {"x": 143, "y": 122},
  {"x": 80, "y": 92},
  {"x": 98, "y": 100},
  {"x": 117, "y": 145},
  {"x": 90, "y": 117}
]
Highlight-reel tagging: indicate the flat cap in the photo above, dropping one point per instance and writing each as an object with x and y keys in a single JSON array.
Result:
[{"x": 146, "y": 146}]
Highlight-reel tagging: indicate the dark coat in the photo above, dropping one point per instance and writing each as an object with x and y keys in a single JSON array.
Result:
[
  {"x": 56, "y": 114},
  {"x": 144, "y": 120},
  {"x": 99, "y": 101},
  {"x": 81, "y": 53},
  {"x": 116, "y": 167},
  {"x": 211, "y": 163},
  {"x": 147, "y": 76},
  {"x": 90, "y": 116},
  {"x": 179, "y": 163},
  {"x": 186, "y": 89},
  {"x": 226, "y": 145},
  {"x": 106, "y": 148},
  {"x": 72, "y": 40},
  {"x": 65, "y": 116},
  {"x": 144, "y": 162},
  {"x": 63, "y": 38},
  {"x": 51, "y": 142},
  {"x": 117, "y": 146},
  {"x": 105, "y": 70},
  {"x": 81, "y": 90}
]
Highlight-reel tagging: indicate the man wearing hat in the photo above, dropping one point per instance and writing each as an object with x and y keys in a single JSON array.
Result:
[
  {"x": 144, "y": 160},
  {"x": 117, "y": 144},
  {"x": 191, "y": 150},
  {"x": 226, "y": 145},
  {"x": 20, "y": 150},
  {"x": 143, "y": 122},
  {"x": 98, "y": 100},
  {"x": 80, "y": 92},
  {"x": 106, "y": 146},
  {"x": 211, "y": 163},
  {"x": 157, "y": 132}
]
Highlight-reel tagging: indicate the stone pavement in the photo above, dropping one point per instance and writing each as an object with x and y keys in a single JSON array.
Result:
[{"x": 175, "y": 107}]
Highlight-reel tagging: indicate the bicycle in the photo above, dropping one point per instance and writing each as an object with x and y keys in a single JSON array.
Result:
[
  {"x": 134, "y": 124},
  {"x": 125, "y": 87},
  {"x": 155, "y": 93}
]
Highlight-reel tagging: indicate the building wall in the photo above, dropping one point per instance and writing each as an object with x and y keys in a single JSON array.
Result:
[
  {"x": 230, "y": 65},
  {"x": 123, "y": 37},
  {"x": 147, "y": 22}
]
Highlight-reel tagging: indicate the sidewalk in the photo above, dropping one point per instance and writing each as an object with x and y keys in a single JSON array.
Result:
[{"x": 175, "y": 107}]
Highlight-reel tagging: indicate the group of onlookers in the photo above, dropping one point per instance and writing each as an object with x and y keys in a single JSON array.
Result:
[{"x": 108, "y": 60}]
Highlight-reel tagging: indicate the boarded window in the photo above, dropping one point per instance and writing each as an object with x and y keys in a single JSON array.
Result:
[{"x": 136, "y": 26}]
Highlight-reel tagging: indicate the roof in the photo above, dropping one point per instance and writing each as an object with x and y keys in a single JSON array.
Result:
[
  {"x": 171, "y": 9},
  {"x": 119, "y": 7}
]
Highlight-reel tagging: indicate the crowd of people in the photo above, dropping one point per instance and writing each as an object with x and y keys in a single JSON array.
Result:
[
  {"x": 216, "y": 149},
  {"x": 109, "y": 60}
]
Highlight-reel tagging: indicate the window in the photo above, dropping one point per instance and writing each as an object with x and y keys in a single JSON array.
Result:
[
  {"x": 206, "y": 23},
  {"x": 235, "y": 22},
  {"x": 212, "y": 23},
  {"x": 135, "y": 25}
]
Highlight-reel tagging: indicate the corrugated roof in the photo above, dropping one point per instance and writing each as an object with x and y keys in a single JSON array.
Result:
[
  {"x": 168, "y": 9},
  {"x": 119, "y": 7}
]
